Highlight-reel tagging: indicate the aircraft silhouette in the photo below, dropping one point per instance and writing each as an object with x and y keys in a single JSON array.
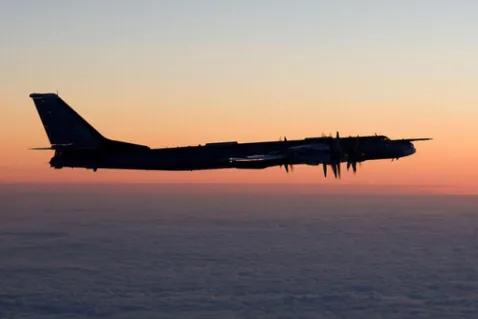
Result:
[{"x": 77, "y": 144}]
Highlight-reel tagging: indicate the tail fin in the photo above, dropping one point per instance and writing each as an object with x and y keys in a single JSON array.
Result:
[{"x": 63, "y": 125}]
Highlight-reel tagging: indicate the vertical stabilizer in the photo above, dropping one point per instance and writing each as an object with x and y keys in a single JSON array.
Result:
[{"x": 63, "y": 125}]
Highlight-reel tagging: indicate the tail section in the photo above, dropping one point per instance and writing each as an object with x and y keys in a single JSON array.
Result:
[
  {"x": 63, "y": 125},
  {"x": 67, "y": 130}
]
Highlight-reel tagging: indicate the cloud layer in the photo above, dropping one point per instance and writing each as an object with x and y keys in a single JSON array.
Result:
[{"x": 164, "y": 253}]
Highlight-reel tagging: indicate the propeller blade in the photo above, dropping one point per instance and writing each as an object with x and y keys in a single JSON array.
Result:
[
  {"x": 325, "y": 169},
  {"x": 348, "y": 166},
  {"x": 287, "y": 168},
  {"x": 339, "y": 173},
  {"x": 334, "y": 169},
  {"x": 354, "y": 167}
]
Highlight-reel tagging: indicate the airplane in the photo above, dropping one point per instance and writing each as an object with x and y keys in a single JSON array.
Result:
[{"x": 78, "y": 144}]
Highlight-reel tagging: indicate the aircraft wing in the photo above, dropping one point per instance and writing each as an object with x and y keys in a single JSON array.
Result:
[
  {"x": 417, "y": 139},
  {"x": 311, "y": 153},
  {"x": 257, "y": 161},
  {"x": 257, "y": 158},
  {"x": 313, "y": 147}
]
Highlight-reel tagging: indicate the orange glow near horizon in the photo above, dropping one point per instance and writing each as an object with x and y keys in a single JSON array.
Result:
[{"x": 441, "y": 166}]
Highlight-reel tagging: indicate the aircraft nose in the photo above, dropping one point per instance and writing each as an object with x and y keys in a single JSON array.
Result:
[
  {"x": 404, "y": 148},
  {"x": 409, "y": 149}
]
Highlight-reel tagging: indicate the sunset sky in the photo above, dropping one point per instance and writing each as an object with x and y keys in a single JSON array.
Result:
[{"x": 170, "y": 73}]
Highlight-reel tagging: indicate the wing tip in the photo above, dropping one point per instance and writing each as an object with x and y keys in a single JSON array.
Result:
[{"x": 418, "y": 139}]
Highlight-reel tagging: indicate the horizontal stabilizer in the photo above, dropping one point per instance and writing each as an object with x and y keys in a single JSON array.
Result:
[
  {"x": 42, "y": 149},
  {"x": 65, "y": 147}
]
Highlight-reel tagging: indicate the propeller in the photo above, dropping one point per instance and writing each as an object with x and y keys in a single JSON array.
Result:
[
  {"x": 287, "y": 166},
  {"x": 337, "y": 155},
  {"x": 354, "y": 156},
  {"x": 353, "y": 165},
  {"x": 351, "y": 155}
]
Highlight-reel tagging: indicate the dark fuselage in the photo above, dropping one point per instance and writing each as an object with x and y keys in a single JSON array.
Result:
[{"x": 311, "y": 151}]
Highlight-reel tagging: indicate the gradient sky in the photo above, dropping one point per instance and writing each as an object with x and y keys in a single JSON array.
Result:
[{"x": 168, "y": 73}]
